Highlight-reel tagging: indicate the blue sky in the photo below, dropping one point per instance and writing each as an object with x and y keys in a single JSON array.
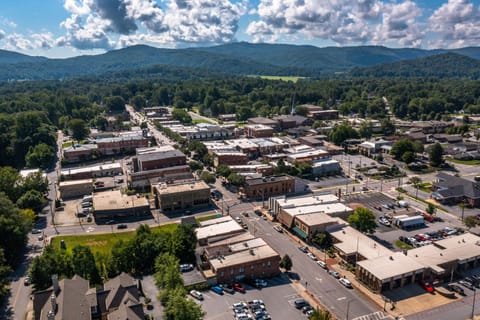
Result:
[{"x": 64, "y": 28}]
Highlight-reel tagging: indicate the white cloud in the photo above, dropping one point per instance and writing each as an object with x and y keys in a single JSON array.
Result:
[
  {"x": 342, "y": 21},
  {"x": 17, "y": 41},
  {"x": 456, "y": 23},
  {"x": 7, "y": 23},
  {"x": 43, "y": 40},
  {"x": 2, "y": 34}
]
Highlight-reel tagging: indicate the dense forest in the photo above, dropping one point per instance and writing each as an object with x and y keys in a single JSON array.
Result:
[{"x": 32, "y": 111}]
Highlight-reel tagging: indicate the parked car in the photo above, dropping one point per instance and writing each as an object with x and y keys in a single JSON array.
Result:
[
  {"x": 196, "y": 294},
  {"x": 186, "y": 267},
  {"x": 245, "y": 214},
  {"x": 303, "y": 249},
  {"x": 255, "y": 302},
  {"x": 36, "y": 231},
  {"x": 456, "y": 288},
  {"x": 322, "y": 264},
  {"x": 300, "y": 303},
  {"x": 240, "y": 305},
  {"x": 307, "y": 308},
  {"x": 334, "y": 274},
  {"x": 466, "y": 284},
  {"x": 228, "y": 288},
  {"x": 261, "y": 283},
  {"x": 238, "y": 287},
  {"x": 346, "y": 283},
  {"x": 27, "y": 281},
  {"x": 311, "y": 256},
  {"x": 384, "y": 221},
  {"x": 278, "y": 229},
  {"x": 427, "y": 286},
  {"x": 217, "y": 290},
  {"x": 122, "y": 226},
  {"x": 378, "y": 208}
]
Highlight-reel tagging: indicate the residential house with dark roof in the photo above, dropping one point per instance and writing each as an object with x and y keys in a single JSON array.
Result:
[
  {"x": 74, "y": 299},
  {"x": 451, "y": 189}
]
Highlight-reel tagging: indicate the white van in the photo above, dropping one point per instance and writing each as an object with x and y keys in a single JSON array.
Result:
[{"x": 87, "y": 198}]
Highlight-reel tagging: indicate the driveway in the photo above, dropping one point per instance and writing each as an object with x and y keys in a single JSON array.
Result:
[{"x": 151, "y": 291}]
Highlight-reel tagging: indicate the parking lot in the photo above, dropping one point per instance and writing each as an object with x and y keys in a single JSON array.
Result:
[{"x": 278, "y": 298}]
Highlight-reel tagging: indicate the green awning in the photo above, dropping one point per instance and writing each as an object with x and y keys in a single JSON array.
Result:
[{"x": 300, "y": 232}]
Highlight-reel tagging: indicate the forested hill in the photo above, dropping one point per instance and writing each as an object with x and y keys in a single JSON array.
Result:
[
  {"x": 446, "y": 65},
  {"x": 235, "y": 59}
]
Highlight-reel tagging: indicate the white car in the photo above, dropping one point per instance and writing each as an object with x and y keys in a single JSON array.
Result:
[
  {"x": 196, "y": 294},
  {"x": 345, "y": 282},
  {"x": 322, "y": 264},
  {"x": 311, "y": 256},
  {"x": 278, "y": 229}
]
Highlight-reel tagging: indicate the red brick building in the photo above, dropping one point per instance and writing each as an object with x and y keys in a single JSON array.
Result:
[
  {"x": 116, "y": 145},
  {"x": 158, "y": 158},
  {"x": 229, "y": 158},
  {"x": 269, "y": 186},
  {"x": 258, "y": 131}
]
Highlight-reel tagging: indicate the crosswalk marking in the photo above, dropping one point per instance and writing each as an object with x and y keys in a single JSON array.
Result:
[{"x": 379, "y": 315}]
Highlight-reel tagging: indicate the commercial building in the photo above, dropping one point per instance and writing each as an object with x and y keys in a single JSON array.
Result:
[
  {"x": 157, "y": 158},
  {"x": 287, "y": 216},
  {"x": 326, "y": 167},
  {"x": 181, "y": 196},
  {"x": 267, "y": 187},
  {"x": 258, "y": 131},
  {"x": 450, "y": 189},
  {"x": 264, "y": 169},
  {"x": 307, "y": 225},
  {"x": 229, "y": 157},
  {"x": 277, "y": 204},
  {"x": 119, "y": 298},
  {"x": 204, "y": 131},
  {"x": 263, "y": 121},
  {"x": 80, "y": 152},
  {"x": 103, "y": 170},
  {"x": 289, "y": 121},
  {"x": 144, "y": 179},
  {"x": 121, "y": 144},
  {"x": 211, "y": 231},
  {"x": 227, "y": 117},
  {"x": 323, "y": 114},
  {"x": 113, "y": 204},
  {"x": 375, "y": 146},
  {"x": 75, "y": 188},
  {"x": 308, "y": 156}
]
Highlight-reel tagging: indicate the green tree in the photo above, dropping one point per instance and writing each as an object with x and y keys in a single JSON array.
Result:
[
  {"x": 79, "y": 129},
  {"x": 32, "y": 199},
  {"x": 181, "y": 115},
  {"x": 400, "y": 147},
  {"x": 342, "y": 132},
  {"x": 83, "y": 264},
  {"x": 115, "y": 103},
  {"x": 320, "y": 314},
  {"x": 286, "y": 263},
  {"x": 416, "y": 181},
  {"x": 365, "y": 130},
  {"x": 363, "y": 220},
  {"x": 5, "y": 271},
  {"x": 138, "y": 102},
  {"x": 387, "y": 126},
  {"x": 195, "y": 165},
  {"x": 41, "y": 155},
  {"x": 223, "y": 170},
  {"x": 304, "y": 168},
  {"x": 408, "y": 157},
  {"x": 301, "y": 111},
  {"x": 178, "y": 307},
  {"x": 436, "y": 155},
  {"x": 236, "y": 179},
  {"x": 244, "y": 113},
  {"x": 323, "y": 240},
  {"x": 470, "y": 221},
  {"x": 207, "y": 177},
  {"x": 198, "y": 148},
  {"x": 431, "y": 209},
  {"x": 184, "y": 243},
  {"x": 8, "y": 182}
]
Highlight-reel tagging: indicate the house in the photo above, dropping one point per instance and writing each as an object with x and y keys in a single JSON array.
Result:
[
  {"x": 450, "y": 189},
  {"x": 74, "y": 299}
]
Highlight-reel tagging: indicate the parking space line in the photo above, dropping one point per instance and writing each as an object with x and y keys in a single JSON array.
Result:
[{"x": 341, "y": 298}]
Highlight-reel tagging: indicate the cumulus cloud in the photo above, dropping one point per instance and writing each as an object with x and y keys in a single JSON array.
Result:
[
  {"x": 456, "y": 23},
  {"x": 2, "y": 34},
  {"x": 342, "y": 21},
  {"x": 17, "y": 41}
]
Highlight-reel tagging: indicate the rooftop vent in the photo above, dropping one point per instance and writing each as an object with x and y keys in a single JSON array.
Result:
[
  {"x": 252, "y": 252},
  {"x": 391, "y": 258}
]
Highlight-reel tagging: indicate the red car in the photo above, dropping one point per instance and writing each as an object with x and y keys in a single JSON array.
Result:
[
  {"x": 427, "y": 286},
  {"x": 238, "y": 287}
]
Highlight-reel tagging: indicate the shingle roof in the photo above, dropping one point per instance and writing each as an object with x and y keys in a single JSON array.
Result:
[{"x": 451, "y": 186}]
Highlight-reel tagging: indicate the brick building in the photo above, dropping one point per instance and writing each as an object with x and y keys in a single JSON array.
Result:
[
  {"x": 79, "y": 152},
  {"x": 113, "y": 204},
  {"x": 229, "y": 157},
  {"x": 75, "y": 188},
  {"x": 116, "y": 145},
  {"x": 269, "y": 186},
  {"x": 182, "y": 196},
  {"x": 258, "y": 131},
  {"x": 158, "y": 158}
]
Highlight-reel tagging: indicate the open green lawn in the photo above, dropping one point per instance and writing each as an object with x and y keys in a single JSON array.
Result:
[
  {"x": 196, "y": 121},
  {"x": 67, "y": 144},
  {"x": 282, "y": 78},
  {"x": 210, "y": 217},
  {"x": 403, "y": 245},
  {"x": 466, "y": 162},
  {"x": 103, "y": 243}
]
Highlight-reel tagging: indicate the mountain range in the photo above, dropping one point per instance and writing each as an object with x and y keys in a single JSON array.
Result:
[{"x": 243, "y": 58}]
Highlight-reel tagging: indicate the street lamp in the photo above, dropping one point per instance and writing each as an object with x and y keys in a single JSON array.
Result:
[
  {"x": 473, "y": 304},
  {"x": 348, "y": 308}
]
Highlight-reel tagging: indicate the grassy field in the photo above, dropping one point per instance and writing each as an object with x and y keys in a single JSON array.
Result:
[
  {"x": 67, "y": 144},
  {"x": 102, "y": 243},
  {"x": 466, "y": 162},
  {"x": 403, "y": 245},
  {"x": 210, "y": 217},
  {"x": 196, "y": 121},
  {"x": 282, "y": 78}
]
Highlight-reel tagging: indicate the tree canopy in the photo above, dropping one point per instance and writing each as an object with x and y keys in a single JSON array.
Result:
[{"x": 363, "y": 220}]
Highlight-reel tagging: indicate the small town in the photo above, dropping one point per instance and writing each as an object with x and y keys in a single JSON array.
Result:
[{"x": 284, "y": 219}]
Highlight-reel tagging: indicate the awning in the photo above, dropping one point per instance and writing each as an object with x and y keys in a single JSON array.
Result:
[{"x": 300, "y": 232}]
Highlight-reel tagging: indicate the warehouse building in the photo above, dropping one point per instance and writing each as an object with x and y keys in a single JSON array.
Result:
[
  {"x": 189, "y": 195},
  {"x": 110, "y": 205},
  {"x": 75, "y": 188}
]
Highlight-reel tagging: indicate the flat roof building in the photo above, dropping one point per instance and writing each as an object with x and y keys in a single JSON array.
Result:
[
  {"x": 103, "y": 170},
  {"x": 158, "y": 158},
  {"x": 217, "y": 229},
  {"x": 269, "y": 186},
  {"x": 113, "y": 204},
  {"x": 181, "y": 196},
  {"x": 277, "y": 203},
  {"x": 75, "y": 188}
]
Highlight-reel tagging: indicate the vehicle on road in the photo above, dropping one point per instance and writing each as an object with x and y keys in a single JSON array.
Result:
[
  {"x": 245, "y": 214},
  {"x": 40, "y": 238},
  {"x": 36, "y": 231},
  {"x": 27, "y": 281},
  {"x": 110, "y": 222},
  {"x": 307, "y": 308},
  {"x": 312, "y": 256},
  {"x": 261, "y": 283},
  {"x": 334, "y": 274},
  {"x": 346, "y": 283},
  {"x": 196, "y": 294},
  {"x": 384, "y": 221},
  {"x": 278, "y": 229},
  {"x": 300, "y": 303},
  {"x": 122, "y": 226},
  {"x": 322, "y": 264},
  {"x": 217, "y": 290},
  {"x": 303, "y": 249}
]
